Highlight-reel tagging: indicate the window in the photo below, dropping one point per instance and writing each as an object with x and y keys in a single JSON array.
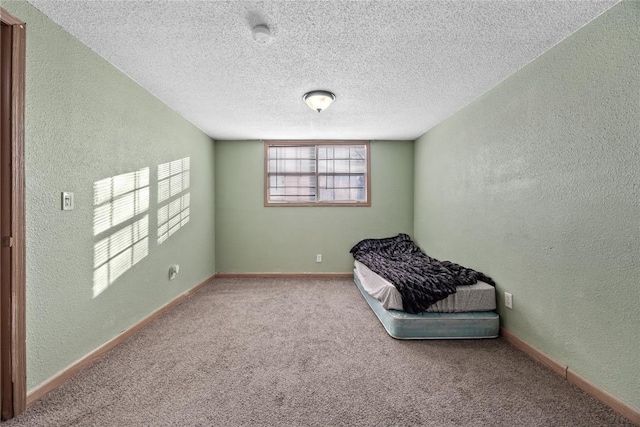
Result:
[{"x": 313, "y": 173}]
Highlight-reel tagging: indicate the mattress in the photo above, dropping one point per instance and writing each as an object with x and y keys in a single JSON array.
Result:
[
  {"x": 402, "y": 325},
  {"x": 478, "y": 297}
]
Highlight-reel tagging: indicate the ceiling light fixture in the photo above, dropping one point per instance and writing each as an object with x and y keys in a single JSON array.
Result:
[{"x": 319, "y": 99}]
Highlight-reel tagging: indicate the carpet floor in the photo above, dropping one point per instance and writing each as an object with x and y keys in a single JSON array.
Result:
[{"x": 293, "y": 352}]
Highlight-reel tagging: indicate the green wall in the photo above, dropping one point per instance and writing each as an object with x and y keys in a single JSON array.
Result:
[
  {"x": 536, "y": 184},
  {"x": 253, "y": 238},
  {"x": 86, "y": 121}
]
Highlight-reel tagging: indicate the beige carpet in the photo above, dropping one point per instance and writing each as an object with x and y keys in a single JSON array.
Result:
[{"x": 269, "y": 352}]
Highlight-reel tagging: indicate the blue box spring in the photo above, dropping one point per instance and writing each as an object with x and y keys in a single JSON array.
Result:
[{"x": 401, "y": 325}]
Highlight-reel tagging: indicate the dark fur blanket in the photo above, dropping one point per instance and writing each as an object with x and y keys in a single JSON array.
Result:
[{"x": 420, "y": 279}]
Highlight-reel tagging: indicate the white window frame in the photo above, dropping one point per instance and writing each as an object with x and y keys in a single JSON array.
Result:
[{"x": 317, "y": 203}]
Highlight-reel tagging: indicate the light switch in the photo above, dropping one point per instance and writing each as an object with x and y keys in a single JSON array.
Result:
[{"x": 67, "y": 201}]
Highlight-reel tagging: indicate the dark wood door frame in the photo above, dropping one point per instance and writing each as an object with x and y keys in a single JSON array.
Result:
[{"x": 12, "y": 218}]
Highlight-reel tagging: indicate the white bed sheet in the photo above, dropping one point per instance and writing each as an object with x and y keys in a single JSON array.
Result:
[{"x": 478, "y": 297}]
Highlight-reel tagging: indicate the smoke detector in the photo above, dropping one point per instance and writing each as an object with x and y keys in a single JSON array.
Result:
[{"x": 261, "y": 34}]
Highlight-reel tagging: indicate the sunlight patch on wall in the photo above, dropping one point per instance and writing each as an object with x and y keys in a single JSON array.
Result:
[
  {"x": 173, "y": 216},
  {"x": 116, "y": 254},
  {"x": 117, "y": 200},
  {"x": 173, "y": 180}
]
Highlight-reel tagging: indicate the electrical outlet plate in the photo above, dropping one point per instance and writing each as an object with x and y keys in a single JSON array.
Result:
[
  {"x": 173, "y": 271},
  {"x": 508, "y": 300},
  {"x": 318, "y": 257}
]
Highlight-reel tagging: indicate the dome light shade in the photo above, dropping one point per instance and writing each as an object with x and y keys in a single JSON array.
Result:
[{"x": 319, "y": 99}]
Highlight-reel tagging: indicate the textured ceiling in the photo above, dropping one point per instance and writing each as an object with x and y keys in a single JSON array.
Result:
[{"x": 397, "y": 68}]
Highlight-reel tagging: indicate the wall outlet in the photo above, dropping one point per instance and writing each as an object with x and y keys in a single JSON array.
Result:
[
  {"x": 508, "y": 300},
  {"x": 173, "y": 271},
  {"x": 318, "y": 257}
]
